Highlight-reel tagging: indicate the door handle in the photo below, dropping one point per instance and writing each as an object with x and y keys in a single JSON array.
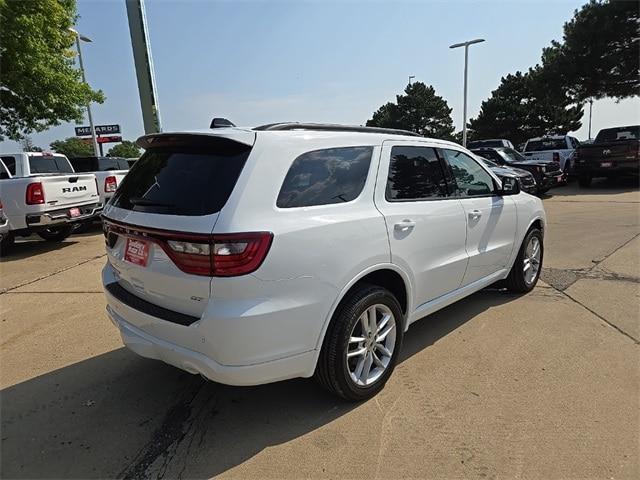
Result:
[
  {"x": 475, "y": 214},
  {"x": 404, "y": 225}
]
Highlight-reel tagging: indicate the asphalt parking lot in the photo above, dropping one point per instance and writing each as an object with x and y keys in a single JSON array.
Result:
[{"x": 545, "y": 385}]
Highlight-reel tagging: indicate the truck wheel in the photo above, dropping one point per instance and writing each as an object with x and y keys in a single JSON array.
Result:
[
  {"x": 55, "y": 234},
  {"x": 5, "y": 244},
  {"x": 361, "y": 346},
  {"x": 526, "y": 269},
  {"x": 584, "y": 180}
]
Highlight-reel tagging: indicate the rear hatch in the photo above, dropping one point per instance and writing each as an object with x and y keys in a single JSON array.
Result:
[
  {"x": 158, "y": 225},
  {"x": 69, "y": 190}
]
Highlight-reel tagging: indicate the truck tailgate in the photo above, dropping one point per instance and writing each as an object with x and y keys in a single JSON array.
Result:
[{"x": 69, "y": 190}]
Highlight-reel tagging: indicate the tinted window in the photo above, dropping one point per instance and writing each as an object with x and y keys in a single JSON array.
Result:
[
  {"x": 49, "y": 164},
  {"x": 469, "y": 177},
  {"x": 183, "y": 179},
  {"x": 10, "y": 163},
  {"x": 415, "y": 173},
  {"x": 485, "y": 143},
  {"x": 110, "y": 163},
  {"x": 618, "y": 134},
  {"x": 327, "y": 176},
  {"x": 546, "y": 144}
]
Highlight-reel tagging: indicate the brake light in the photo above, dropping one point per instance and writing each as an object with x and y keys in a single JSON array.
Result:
[
  {"x": 110, "y": 184},
  {"x": 35, "y": 194},
  {"x": 556, "y": 157},
  {"x": 220, "y": 255}
]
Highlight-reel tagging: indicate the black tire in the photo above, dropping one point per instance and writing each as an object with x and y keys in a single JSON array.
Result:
[
  {"x": 584, "y": 180},
  {"x": 55, "y": 234},
  {"x": 332, "y": 370},
  {"x": 6, "y": 244},
  {"x": 516, "y": 281}
]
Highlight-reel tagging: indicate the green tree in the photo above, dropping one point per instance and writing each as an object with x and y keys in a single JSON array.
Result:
[
  {"x": 73, "y": 147},
  {"x": 600, "y": 52},
  {"x": 28, "y": 146},
  {"x": 526, "y": 105},
  {"x": 126, "y": 149},
  {"x": 419, "y": 110},
  {"x": 39, "y": 86}
]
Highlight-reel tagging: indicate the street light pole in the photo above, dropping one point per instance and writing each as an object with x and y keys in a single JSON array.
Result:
[
  {"x": 590, "y": 108},
  {"x": 411, "y": 77},
  {"x": 93, "y": 130},
  {"x": 466, "y": 66}
]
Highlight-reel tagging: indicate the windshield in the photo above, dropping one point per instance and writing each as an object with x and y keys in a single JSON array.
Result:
[
  {"x": 546, "y": 144},
  {"x": 49, "y": 164},
  {"x": 619, "y": 134},
  {"x": 513, "y": 156}
]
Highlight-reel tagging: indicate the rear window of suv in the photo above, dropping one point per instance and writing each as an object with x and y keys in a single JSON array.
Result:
[
  {"x": 322, "y": 177},
  {"x": 184, "y": 179}
]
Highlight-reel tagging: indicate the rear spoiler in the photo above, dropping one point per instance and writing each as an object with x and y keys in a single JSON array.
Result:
[{"x": 238, "y": 135}]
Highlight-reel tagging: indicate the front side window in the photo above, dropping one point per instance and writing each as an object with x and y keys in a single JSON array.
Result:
[
  {"x": 469, "y": 178},
  {"x": 323, "y": 177},
  {"x": 415, "y": 173}
]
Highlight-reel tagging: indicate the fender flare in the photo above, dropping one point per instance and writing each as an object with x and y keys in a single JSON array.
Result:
[{"x": 343, "y": 291}]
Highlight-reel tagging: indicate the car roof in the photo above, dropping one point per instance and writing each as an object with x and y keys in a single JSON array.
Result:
[{"x": 248, "y": 135}]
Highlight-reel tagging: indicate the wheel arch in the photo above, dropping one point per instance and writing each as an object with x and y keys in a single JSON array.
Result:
[{"x": 386, "y": 275}]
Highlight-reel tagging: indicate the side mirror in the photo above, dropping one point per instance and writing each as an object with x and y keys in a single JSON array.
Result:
[{"x": 510, "y": 186}]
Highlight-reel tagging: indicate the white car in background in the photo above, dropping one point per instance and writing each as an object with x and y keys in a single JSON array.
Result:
[
  {"x": 296, "y": 250},
  {"x": 559, "y": 148},
  {"x": 41, "y": 194}
]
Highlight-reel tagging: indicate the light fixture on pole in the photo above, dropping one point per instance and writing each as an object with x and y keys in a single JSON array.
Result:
[
  {"x": 411, "y": 77},
  {"x": 466, "y": 63},
  {"x": 93, "y": 130}
]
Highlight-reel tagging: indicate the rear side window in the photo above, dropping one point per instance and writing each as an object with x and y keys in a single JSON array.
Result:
[
  {"x": 323, "y": 177},
  {"x": 415, "y": 173},
  {"x": 10, "y": 163},
  {"x": 49, "y": 164},
  {"x": 187, "y": 179}
]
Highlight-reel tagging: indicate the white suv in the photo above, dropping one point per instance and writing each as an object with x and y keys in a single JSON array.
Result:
[{"x": 297, "y": 250}]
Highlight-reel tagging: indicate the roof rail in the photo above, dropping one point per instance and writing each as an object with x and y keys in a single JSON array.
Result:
[{"x": 330, "y": 127}]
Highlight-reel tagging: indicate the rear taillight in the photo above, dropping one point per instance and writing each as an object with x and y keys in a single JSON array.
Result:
[
  {"x": 35, "y": 194},
  {"x": 556, "y": 157},
  {"x": 226, "y": 255},
  {"x": 110, "y": 184},
  {"x": 220, "y": 255}
]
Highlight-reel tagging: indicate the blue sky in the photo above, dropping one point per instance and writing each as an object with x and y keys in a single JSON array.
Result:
[{"x": 263, "y": 61}]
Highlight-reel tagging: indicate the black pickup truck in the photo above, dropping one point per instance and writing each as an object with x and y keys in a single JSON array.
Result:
[{"x": 615, "y": 152}]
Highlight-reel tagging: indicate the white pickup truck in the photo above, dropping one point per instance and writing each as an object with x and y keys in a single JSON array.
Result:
[
  {"x": 559, "y": 148},
  {"x": 109, "y": 172},
  {"x": 40, "y": 193}
]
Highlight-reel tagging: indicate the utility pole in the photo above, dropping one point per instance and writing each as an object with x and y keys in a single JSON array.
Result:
[
  {"x": 590, "y": 109},
  {"x": 93, "y": 130},
  {"x": 466, "y": 64},
  {"x": 144, "y": 66}
]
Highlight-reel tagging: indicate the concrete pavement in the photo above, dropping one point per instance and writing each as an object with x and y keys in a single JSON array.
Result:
[{"x": 545, "y": 385}]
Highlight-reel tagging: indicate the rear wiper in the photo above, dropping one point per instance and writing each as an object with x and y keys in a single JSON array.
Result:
[{"x": 148, "y": 203}]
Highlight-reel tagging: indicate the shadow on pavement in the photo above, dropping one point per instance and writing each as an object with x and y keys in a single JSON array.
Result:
[
  {"x": 599, "y": 186},
  {"x": 33, "y": 246},
  {"x": 118, "y": 415}
]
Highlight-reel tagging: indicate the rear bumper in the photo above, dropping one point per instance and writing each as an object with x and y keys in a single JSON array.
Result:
[
  {"x": 233, "y": 351},
  {"x": 616, "y": 168},
  {"x": 63, "y": 215},
  {"x": 194, "y": 362}
]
